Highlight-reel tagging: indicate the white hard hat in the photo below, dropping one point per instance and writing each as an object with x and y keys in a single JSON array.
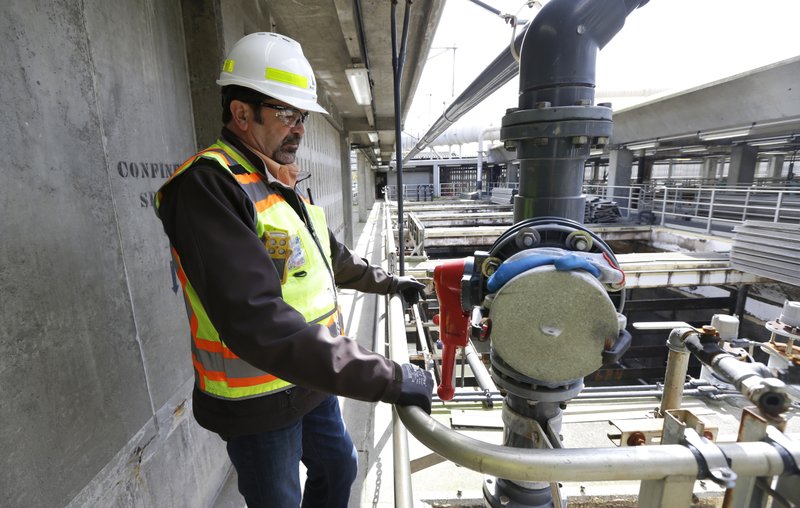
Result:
[{"x": 274, "y": 65}]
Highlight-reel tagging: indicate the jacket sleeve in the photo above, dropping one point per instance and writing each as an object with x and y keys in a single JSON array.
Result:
[
  {"x": 209, "y": 221},
  {"x": 354, "y": 272}
]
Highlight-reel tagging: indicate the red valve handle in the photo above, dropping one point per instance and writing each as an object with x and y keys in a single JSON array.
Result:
[{"x": 453, "y": 321}]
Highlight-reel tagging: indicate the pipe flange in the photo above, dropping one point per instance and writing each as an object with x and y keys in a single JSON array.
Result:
[
  {"x": 508, "y": 379},
  {"x": 557, "y": 114},
  {"x": 560, "y": 129},
  {"x": 500, "y": 493}
]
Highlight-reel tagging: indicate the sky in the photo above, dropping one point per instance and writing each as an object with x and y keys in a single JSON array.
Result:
[{"x": 665, "y": 45}]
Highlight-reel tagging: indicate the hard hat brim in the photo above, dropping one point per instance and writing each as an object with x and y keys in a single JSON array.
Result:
[{"x": 297, "y": 102}]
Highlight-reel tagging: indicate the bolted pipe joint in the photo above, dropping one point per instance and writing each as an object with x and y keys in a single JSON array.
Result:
[
  {"x": 558, "y": 55},
  {"x": 556, "y": 123}
]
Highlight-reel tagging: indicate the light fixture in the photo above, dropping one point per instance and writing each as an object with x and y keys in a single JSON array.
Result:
[
  {"x": 373, "y": 136},
  {"x": 644, "y": 145},
  {"x": 724, "y": 134},
  {"x": 376, "y": 151},
  {"x": 359, "y": 83},
  {"x": 769, "y": 142},
  {"x": 693, "y": 149}
]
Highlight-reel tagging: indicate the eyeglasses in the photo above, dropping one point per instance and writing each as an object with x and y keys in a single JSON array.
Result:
[{"x": 290, "y": 117}]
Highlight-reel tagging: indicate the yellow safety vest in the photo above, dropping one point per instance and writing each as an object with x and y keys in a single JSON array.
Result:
[{"x": 302, "y": 257}]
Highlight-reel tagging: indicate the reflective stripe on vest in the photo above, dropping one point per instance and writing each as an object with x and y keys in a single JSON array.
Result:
[{"x": 307, "y": 284}]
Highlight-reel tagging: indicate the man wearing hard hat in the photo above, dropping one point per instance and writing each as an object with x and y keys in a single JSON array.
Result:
[{"x": 259, "y": 269}]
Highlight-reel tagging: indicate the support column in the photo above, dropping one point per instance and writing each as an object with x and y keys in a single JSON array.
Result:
[
  {"x": 709, "y": 170},
  {"x": 743, "y": 164},
  {"x": 437, "y": 186},
  {"x": 669, "y": 170},
  {"x": 775, "y": 166},
  {"x": 720, "y": 169},
  {"x": 596, "y": 171},
  {"x": 347, "y": 191},
  {"x": 364, "y": 189},
  {"x": 620, "y": 165},
  {"x": 370, "y": 185},
  {"x": 512, "y": 172},
  {"x": 644, "y": 170}
]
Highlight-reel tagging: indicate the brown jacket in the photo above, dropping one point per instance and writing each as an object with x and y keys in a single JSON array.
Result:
[{"x": 209, "y": 221}]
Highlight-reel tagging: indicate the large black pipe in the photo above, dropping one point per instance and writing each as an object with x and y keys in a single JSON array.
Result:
[
  {"x": 558, "y": 56},
  {"x": 557, "y": 123}
]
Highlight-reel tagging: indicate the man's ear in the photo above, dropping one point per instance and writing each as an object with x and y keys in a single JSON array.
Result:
[{"x": 240, "y": 113}]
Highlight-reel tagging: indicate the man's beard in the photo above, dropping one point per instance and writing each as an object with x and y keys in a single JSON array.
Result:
[{"x": 287, "y": 154}]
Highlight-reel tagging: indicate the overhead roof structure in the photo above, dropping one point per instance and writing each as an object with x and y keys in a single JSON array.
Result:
[
  {"x": 346, "y": 34},
  {"x": 760, "y": 107}
]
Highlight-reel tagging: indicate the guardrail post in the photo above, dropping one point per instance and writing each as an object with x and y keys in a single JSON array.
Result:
[
  {"x": 710, "y": 210},
  {"x": 664, "y": 206},
  {"x": 630, "y": 202},
  {"x": 746, "y": 203},
  {"x": 778, "y": 204}
]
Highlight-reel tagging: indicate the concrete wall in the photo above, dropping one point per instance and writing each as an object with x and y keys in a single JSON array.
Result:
[
  {"x": 321, "y": 154},
  {"x": 99, "y": 107}
]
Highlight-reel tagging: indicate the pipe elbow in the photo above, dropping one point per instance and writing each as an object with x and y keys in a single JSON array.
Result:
[{"x": 560, "y": 46}]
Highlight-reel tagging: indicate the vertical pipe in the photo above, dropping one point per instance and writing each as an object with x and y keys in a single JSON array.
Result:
[
  {"x": 398, "y": 59},
  {"x": 674, "y": 379}
]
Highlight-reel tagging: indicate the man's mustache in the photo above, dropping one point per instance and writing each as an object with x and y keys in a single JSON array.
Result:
[{"x": 292, "y": 139}]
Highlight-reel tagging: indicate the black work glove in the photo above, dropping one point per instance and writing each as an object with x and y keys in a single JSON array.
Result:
[
  {"x": 410, "y": 288},
  {"x": 416, "y": 388}
]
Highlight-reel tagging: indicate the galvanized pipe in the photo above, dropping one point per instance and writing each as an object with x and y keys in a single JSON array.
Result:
[
  {"x": 677, "y": 367},
  {"x": 496, "y": 397},
  {"x": 398, "y": 351},
  {"x": 581, "y": 464},
  {"x": 498, "y": 73},
  {"x": 479, "y": 370}
]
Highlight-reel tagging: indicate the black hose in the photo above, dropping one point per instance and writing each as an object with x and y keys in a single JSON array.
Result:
[{"x": 398, "y": 60}]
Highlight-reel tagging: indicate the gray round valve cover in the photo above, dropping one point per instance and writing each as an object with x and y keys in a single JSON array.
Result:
[{"x": 553, "y": 326}]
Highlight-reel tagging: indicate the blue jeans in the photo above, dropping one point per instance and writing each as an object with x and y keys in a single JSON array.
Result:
[{"x": 268, "y": 464}]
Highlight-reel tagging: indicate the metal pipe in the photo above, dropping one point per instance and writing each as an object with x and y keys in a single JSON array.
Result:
[
  {"x": 479, "y": 370},
  {"x": 487, "y": 7},
  {"x": 502, "y": 69},
  {"x": 581, "y": 464},
  {"x": 677, "y": 367},
  {"x": 398, "y": 60},
  {"x": 694, "y": 383},
  {"x": 753, "y": 380},
  {"x": 496, "y": 397},
  {"x": 398, "y": 352},
  {"x": 689, "y": 384},
  {"x": 556, "y": 123}
]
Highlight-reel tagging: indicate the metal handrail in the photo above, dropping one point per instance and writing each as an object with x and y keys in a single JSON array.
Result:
[
  {"x": 708, "y": 205},
  {"x": 581, "y": 464},
  {"x": 403, "y": 496}
]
